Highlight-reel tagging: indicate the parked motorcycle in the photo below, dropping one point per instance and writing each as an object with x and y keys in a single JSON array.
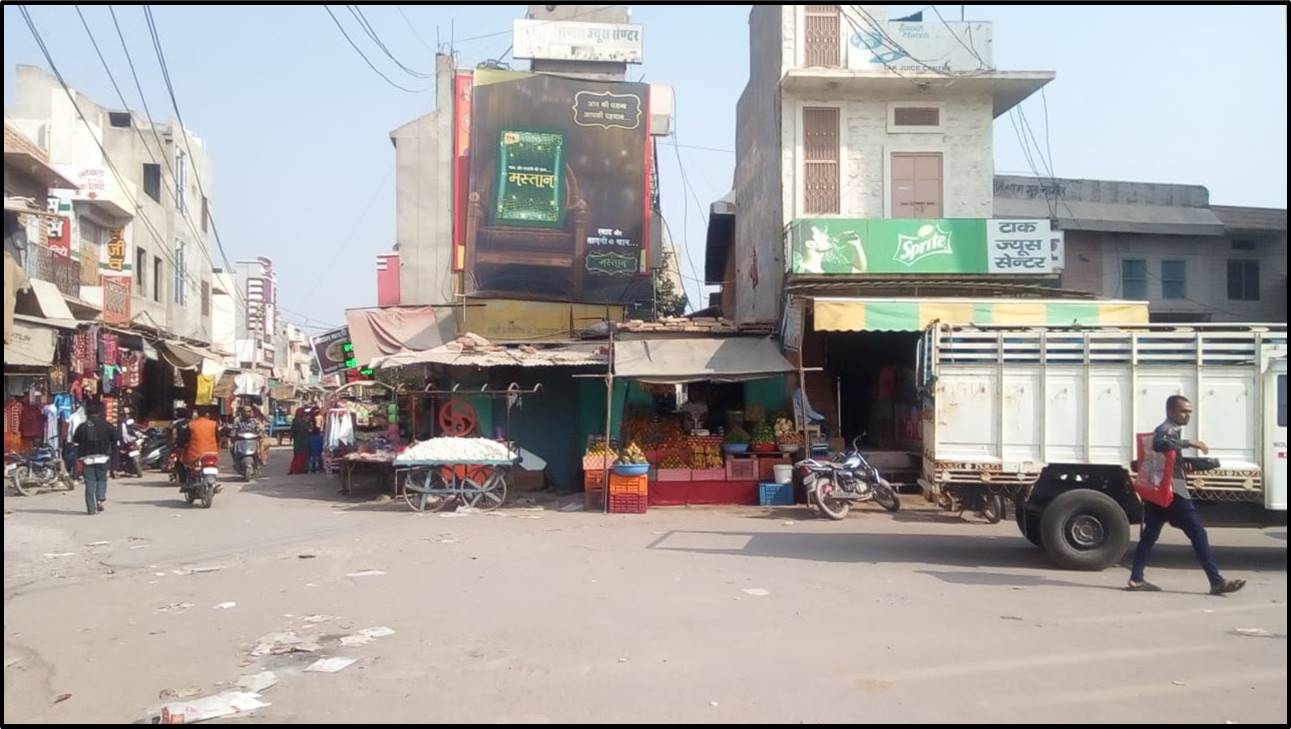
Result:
[
  {"x": 155, "y": 449},
  {"x": 833, "y": 486},
  {"x": 246, "y": 454},
  {"x": 201, "y": 480},
  {"x": 41, "y": 470}
]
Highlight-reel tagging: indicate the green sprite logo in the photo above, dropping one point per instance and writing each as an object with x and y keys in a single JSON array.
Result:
[{"x": 930, "y": 241}]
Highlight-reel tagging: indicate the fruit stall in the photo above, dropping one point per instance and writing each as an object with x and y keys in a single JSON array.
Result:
[{"x": 709, "y": 425}]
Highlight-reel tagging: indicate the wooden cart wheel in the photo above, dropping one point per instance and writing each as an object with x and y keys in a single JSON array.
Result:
[
  {"x": 488, "y": 494},
  {"x": 416, "y": 485},
  {"x": 458, "y": 418}
]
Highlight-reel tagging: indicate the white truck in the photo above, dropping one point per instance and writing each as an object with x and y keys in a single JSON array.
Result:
[{"x": 1047, "y": 417}]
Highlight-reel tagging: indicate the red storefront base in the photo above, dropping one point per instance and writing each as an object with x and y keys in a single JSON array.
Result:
[{"x": 686, "y": 493}]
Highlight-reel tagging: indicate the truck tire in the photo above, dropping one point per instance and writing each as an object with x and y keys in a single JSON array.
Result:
[
  {"x": 1028, "y": 524},
  {"x": 1084, "y": 530}
]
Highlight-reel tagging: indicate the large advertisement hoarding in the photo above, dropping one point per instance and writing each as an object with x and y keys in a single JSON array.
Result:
[
  {"x": 559, "y": 204},
  {"x": 333, "y": 351}
]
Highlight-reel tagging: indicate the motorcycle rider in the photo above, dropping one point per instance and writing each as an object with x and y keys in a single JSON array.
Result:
[
  {"x": 127, "y": 440},
  {"x": 179, "y": 444},
  {"x": 203, "y": 438},
  {"x": 249, "y": 422}
]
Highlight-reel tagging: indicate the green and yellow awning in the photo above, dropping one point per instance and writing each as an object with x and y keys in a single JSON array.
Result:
[{"x": 905, "y": 315}]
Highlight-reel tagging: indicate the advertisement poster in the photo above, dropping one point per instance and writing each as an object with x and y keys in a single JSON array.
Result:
[
  {"x": 333, "y": 351},
  {"x": 58, "y": 233},
  {"x": 974, "y": 246},
  {"x": 117, "y": 258},
  {"x": 116, "y": 300},
  {"x": 462, "y": 83},
  {"x": 559, "y": 203}
]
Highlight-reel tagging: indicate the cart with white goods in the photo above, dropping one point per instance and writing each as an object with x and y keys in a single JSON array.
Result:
[{"x": 469, "y": 471}]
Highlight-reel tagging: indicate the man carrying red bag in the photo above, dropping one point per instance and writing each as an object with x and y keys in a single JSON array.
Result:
[{"x": 1166, "y": 499}]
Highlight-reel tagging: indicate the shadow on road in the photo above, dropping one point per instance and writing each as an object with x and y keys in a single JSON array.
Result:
[{"x": 950, "y": 550}]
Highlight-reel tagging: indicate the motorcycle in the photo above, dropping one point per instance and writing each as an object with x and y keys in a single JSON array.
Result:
[
  {"x": 155, "y": 449},
  {"x": 833, "y": 486},
  {"x": 201, "y": 480},
  {"x": 129, "y": 452},
  {"x": 246, "y": 454},
  {"x": 42, "y": 469}
]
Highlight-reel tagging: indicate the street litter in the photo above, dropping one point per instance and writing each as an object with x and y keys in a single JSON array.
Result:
[
  {"x": 61, "y": 698},
  {"x": 224, "y": 606},
  {"x": 366, "y": 573},
  {"x": 571, "y": 507},
  {"x": 198, "y": 570},
  {"x": 58, "y": 555},
  {"x": 1253, "y": 632},
  {"x": 331, "y": 665},
  {"x": 102, "y": 543},
  {"x": 452, "y": 514},
  {"x": 787, "y": 523},
  {"x": 1010, "y": 617},
  {"x": 175, "y": 607},
  {"x": 140, "y": 546},
  {"x": 756, "y": 591},
  {"x": 219, "y": 706},
  {"x": 353, "y": 641},
  {"x": 318, "y": 618},
  {"x": 179, "y": 693},
  {"x": 532, "y": 508},
  {"x": 285, "y": 642},
  {"x": 306, "y": 556},
  {"x": 378, "y": 632},
  {"x": 257, "y": 682}
]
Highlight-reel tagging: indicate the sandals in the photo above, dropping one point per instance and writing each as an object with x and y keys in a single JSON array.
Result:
[
  {"x": 1227, "y": 586},
  {"x": 1143, "y": 586}
]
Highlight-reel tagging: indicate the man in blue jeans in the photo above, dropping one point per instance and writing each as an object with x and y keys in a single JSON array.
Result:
[
  {"x": 1181, "y": 513},
  {"x": 94, "y": 440}
]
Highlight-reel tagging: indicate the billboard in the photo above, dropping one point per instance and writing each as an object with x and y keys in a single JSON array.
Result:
[
  {"x": 916, "y": 46},
  {"x": 559, "y": 187},
  {"x": 333, "y": 351},
  {"x": 974, "y": 246},
  {"x": 568, "y": 40}
]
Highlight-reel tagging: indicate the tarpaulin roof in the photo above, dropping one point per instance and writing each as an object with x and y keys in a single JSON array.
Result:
[
  {"x": 390, "y": 330},
  {"x": 185, "y": 356},
  {"x": 30, "y": 345},
  {"x": 724, "y": 359},
  {"x": 471, "y": 350},
  {"x": 44, "y": 300}
]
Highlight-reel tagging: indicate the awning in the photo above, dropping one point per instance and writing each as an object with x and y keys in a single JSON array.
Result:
[
  {"x": 720, "y": 359},
  {"x": 579, "y": 355},
  {"x": 185, "y": 356},
  {"x": 912, "y": 315},
  {"x": 40, "y": 321},
  {"x": 30, "y": 345},
  {"x": 44, "y": 300},
  {"x": 385, "y": 331}
]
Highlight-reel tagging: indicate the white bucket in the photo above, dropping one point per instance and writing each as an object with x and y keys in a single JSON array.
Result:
[{"x": 783, "y": 473}]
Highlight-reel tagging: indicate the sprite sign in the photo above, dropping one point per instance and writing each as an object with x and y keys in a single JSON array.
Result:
[{"x": 973, "y": 246}]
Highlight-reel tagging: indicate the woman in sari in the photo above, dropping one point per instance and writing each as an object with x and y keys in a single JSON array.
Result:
[{"x": 299, "y": 443}]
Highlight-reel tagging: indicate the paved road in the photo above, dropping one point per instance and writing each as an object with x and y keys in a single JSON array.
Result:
[{"x": 706, "y": 615}]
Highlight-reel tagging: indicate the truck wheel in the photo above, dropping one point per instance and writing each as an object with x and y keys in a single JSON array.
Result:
[
  {"x": 1084, "y": 530},
  {"x": 1028, "y": 524}
]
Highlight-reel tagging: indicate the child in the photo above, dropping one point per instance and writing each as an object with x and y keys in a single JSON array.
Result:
[{"x": 315, "y": 450}]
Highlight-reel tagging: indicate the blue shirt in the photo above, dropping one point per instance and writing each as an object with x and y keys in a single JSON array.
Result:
[{"x": 316, "y": 444}]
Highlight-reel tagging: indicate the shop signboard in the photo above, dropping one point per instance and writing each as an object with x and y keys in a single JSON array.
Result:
[
  {"x": 919, "y": 46},
  {"x": 890, "y": 246},
  {"x": 567, "y": 40},
  {"x": 333, "y": 351},
  {"x": 116, "y": 300},
  {"x": 58, "y": 233},
  {"x": 117, "y": 257},
  {"x": 559, "y": 170}
]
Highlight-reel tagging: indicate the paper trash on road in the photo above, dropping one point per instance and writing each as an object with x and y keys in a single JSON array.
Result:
[
  {"x": 756, "y": 592},
  {"x": 257, "y": 682},
  {"x": 101, "y": 543},
  {"x": 219, "y": 706},
  {"x": 1253, "y": 632},
  {"x": 366, "y": 573},
  {"x": 224, "y": 606},
  {"x": 378, "y": 632},
  {"x": 331, "y": 665},
  {"x": 58, "y": 555}
]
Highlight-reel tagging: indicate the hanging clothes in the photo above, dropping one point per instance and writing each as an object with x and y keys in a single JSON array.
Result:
[
  {"x": 340, "y": 428},
  {"x": 32, "y": 424},
  {"x": 50, "y": 414},
  {"x": 13, "y": 416},
  {"x": 205, "y": 390},
  {"x": 248, "y": 383},
  {"x": 132, "y": 369},
  {"x": 77, "y": 417}
]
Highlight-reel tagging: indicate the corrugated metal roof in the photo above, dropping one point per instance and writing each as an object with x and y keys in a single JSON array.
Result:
[{"x": 1115, "y": 217}]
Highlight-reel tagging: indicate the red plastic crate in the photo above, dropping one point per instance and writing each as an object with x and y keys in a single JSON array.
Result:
[
  {"x": 741, "y": 468},
  {"x": 628, "y": 503},
  {"x": 629, "y": 484}
]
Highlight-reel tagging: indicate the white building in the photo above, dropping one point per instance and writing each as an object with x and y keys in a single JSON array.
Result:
[
  {"x": 140, "y": 225},
  {"x": 257, "y": 314},
  {"x": 836, "y": 123}
]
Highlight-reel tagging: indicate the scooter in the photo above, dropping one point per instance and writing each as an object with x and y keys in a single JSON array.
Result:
[
  {"x": 41, "y": 470},
  {"x": 246, "y": 454},
  {"x": 201, "y": 480},
  {"x": 833, "y": 486}
]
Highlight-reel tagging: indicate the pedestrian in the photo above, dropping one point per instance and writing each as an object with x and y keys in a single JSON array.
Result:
[
  {"x": 94, "y": 440},
  {"x": 315, "y": 450},
  {"x": 1181, "y": 513},
  {"x": 299, "y": 443}
]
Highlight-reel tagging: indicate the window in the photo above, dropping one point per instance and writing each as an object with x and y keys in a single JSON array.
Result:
[
  {"x": 206, "y": 298},
  {"x": 822, "y": 39},
  {"x": 152, "y": 181},
  {"x": 1243, "y": 280},
  {"x": 820, "y": 159},
  {"x": 156, "y": 279},
  {"x": 1174, "y": 280},
  {"x": 206, "y": 213},
  {"x": 1134, "y": 279},
  {"x": 119, "y": 119},
  {"x": 181, "y": 291},
  {"x": 181, "y": 182},
  {"x": 914, "y": 118},
  {"x": 141, "y": 268}
]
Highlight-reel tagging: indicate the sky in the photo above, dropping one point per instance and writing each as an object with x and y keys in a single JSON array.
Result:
[{"x": 298, "y": 126}]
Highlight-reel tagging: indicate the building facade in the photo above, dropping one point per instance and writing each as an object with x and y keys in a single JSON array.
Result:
[
  {"x": 139, "y": 224},
  {"x": 257, "y": 323}
]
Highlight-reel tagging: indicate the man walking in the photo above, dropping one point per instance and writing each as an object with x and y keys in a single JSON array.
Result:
[
  {"x": 94, "y": 440},
  {"x": 1181, "y": 513}
]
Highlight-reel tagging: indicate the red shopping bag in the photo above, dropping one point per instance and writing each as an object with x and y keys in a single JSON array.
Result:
[{"x": 1154, "y": 479}]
